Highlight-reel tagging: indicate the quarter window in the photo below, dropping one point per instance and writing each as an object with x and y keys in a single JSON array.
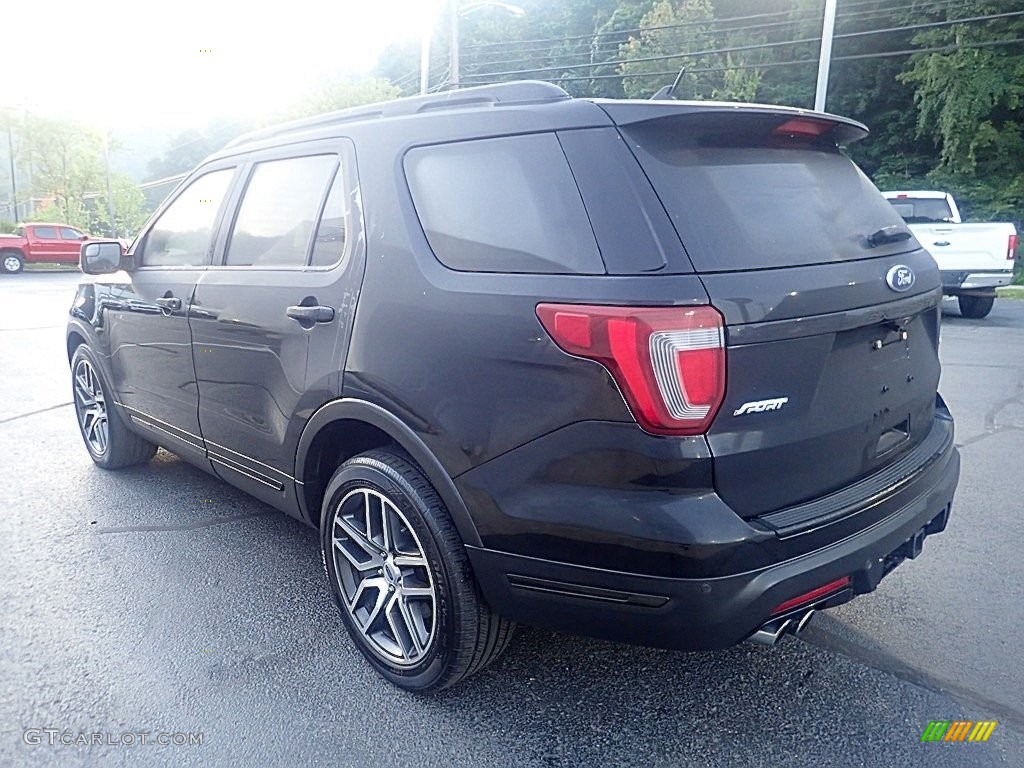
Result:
[
  {"x": 332, "y": 232},
  {"x": 503, "y": 205},
  {"x": 182, "y": 235},
  {"x": 279, "y": 210}
]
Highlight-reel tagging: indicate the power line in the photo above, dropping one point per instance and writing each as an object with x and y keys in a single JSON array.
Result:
[
  {"x": 771, "y": 64},
  {"x": 529, "y": 54},
  {"x": 736, "y": 49},
  {"x": 679, "y": 25},
  {"x": 704, "y": 22}
]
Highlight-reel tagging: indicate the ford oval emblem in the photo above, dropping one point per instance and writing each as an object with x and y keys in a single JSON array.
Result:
[{"x": 900, "y": 278}]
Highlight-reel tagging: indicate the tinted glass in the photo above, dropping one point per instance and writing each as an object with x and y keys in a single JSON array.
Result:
[
  {"x": 278, "y": 212},
  {"x": 633, "y": 231},
  {"x": 181, "y": 236},
  {"x": 922, "y": 210},
  {"x": 45, "y": 233},
  {"x": 752, "y": 207},
  {"x": 502, "y": 205},
  {"x": 70, "y": 234},
  {"x": 332, "y": 233}
]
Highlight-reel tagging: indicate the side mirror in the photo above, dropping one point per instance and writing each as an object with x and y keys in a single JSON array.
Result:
[{"x": 101, "y": 257}]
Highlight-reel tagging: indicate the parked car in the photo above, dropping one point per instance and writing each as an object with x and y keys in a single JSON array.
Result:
[
  {"x": 973, "y": 259},
  {"x": 40, "y": 243},
  {"x": 657, "y": 372}
]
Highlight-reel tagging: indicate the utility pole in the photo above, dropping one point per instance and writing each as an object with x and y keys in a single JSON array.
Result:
[
  {"x": 10, "y": 155},
  {"x": 825, "y": 56},
  {"x": 110, "y": 199}
]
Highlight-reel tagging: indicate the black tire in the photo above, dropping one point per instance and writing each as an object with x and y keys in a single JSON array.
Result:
[
  {"x": 975, "y": 307},
  {"x": 114, "y": 446},
  {"x": 464, "y": 634},
  {"x": 11, "y": 262}
]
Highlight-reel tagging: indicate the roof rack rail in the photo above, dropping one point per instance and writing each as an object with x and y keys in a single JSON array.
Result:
[{"x": 517, "y": 92}]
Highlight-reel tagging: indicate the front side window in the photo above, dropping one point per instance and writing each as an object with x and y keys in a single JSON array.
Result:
[
  {"x": 70, "y": 234},
  {"x": 181, "y": 237},
  {"x": 278, "y": 214},
  {"x": 503, "y": 205}
]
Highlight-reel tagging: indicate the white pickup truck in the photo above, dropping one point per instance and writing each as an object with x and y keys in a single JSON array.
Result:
[{"x": 974, "y": 259}]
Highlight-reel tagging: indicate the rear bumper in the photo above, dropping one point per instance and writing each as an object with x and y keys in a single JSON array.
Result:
[
  {"x": 718, "y": 592},
  {"x": 963, "y": 281}
]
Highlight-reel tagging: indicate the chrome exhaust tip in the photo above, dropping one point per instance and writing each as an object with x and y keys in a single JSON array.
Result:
[
  {"x": 770, "y": 632},
  {"x": 804, "y": 620}
]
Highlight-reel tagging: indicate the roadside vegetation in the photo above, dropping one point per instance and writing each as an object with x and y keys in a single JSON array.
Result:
[{"x": 939, "y": 82}]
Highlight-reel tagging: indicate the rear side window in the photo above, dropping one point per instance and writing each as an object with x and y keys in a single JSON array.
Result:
[
  {"x": 503, "y": 205},
  {"x": 752, "y": 207},
  {"x": 335, "y": 224},
  {"x": 279, "y": 212},
  {"x": 45, "y": 233},
  {"x": 922, "y": 210}
]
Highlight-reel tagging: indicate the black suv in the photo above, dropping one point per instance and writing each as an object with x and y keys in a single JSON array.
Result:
[{"x": 659, "y": 372}]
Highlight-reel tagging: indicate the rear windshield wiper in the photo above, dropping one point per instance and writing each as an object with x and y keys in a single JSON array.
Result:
[{"x": 894, "y": 233}]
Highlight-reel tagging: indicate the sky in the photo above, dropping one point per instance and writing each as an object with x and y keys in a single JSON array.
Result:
[{"x": 180, "y": 62}]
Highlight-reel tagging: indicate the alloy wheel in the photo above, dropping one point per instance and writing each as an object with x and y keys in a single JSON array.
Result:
[
  {"x": 383, "y": 576},
  {"x": 91, "y": 406}
]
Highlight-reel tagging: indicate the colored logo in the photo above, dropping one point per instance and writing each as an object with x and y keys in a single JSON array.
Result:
[
  {"x": 958, "y": 730},
  {"x": 900, "y": 278}
]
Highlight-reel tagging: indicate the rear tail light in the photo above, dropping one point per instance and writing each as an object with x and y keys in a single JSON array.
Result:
[
  {"x": 669, "y": 362},
  {"x": 1011, "y": 248}
]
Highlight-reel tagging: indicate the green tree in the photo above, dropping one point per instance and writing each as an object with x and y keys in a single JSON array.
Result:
[
  {"x": 970, "y": 98},
  {"x": 341, "y": 94},
  {"x": 189, "y": 148},
  {"x": 130, "y": 208},
  {"x": 65, "y": 173},
  {"x": 66, "y": 165},
  {"x": 664, "y": 46}
]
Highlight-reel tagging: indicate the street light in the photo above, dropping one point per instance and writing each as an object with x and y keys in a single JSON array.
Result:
[{"x": 455, "y": 12}]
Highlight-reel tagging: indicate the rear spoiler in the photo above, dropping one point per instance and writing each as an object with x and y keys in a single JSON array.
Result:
[{"x": 784, "y": 120}]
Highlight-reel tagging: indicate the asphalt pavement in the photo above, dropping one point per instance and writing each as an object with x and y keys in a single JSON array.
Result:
[{"x": 158, "y": 604}]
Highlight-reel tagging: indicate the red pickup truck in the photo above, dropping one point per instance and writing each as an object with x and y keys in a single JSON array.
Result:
[{"x": 32, "y": 243}]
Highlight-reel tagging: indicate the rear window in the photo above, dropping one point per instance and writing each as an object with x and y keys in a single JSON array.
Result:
[
  {"x": 502, "y": 205},
  {"x": 753, "y": 207},
  {"x": 922, "y": 210}
]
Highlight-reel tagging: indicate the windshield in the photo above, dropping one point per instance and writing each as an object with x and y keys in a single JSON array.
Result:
[{"x": 755, "y": 207}]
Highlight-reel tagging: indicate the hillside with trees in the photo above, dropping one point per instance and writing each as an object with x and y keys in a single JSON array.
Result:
[{"x": 939, "y": 82}]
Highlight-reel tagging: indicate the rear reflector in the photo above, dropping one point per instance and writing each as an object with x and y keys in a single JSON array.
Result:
[
  {"x": 669, "y": 362},
  {"x": 810, "y": 597},
  {"x": 1011, "y": 250}
]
